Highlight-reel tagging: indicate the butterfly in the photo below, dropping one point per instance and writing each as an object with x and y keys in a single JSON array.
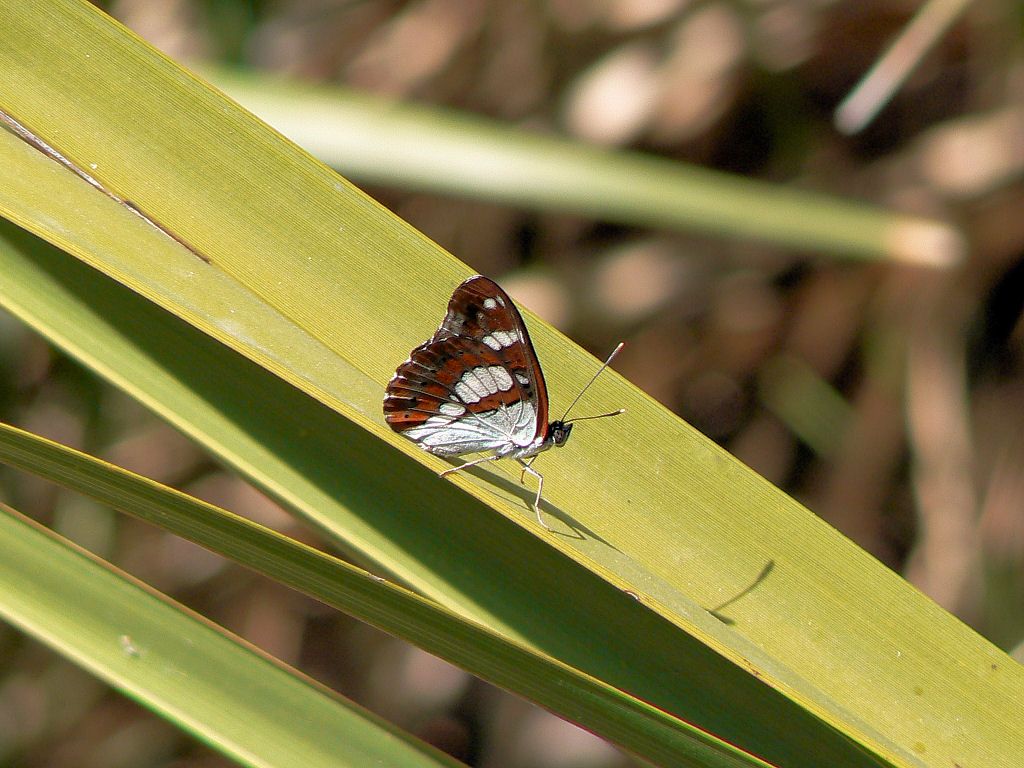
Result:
[{"x": 476, "y": 386}]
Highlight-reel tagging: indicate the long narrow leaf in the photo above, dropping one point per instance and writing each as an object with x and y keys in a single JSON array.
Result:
[
  {"x": 377, "y": 141},
  {"x": 213, "y": 685}
]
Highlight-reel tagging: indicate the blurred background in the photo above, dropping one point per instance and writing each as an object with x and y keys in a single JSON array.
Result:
[{"x": 885, "y": 395}]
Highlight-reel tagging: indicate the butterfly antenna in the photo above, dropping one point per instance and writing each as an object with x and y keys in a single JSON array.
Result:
[
  {"x": 598, "y": 416},
  {"x": 592, "y": 380}
]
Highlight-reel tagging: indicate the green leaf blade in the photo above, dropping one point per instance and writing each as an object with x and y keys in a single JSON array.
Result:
[{"x": 235, "y": 699}]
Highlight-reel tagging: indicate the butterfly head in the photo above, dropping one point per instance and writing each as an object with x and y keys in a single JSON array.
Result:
[{"x": 558, "y": 432}]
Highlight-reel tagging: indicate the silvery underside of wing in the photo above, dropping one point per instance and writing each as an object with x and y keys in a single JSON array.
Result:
[{"x": 504, "y": 431}]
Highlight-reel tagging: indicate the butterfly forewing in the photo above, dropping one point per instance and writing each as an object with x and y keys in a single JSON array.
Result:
[{"x": 476, "y": 385}]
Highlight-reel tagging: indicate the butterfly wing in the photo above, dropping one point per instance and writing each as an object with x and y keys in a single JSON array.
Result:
[{"x": 476, "y": 385}]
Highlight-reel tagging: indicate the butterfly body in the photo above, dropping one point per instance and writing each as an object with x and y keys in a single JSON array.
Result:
[{"x": 476, "y": 386}]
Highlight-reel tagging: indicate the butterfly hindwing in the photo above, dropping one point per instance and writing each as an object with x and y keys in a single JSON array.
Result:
[{"x": 476, "y": 385}]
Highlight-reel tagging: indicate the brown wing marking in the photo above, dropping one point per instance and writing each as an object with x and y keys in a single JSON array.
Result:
[
  {"x": 477, "y": 310},
  {"x": 428, "y": 380},
  {"x": 469, "y": 316}
]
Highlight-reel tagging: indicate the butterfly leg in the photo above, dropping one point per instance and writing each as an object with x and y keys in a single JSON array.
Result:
[
  {"x": 526, "y": 466},
  {"x": 467, "y": 465},
  {"x": 527, "y": 469}
]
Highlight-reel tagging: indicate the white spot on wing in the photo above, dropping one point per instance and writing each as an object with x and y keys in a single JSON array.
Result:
[
  {"x": 479, "y": 382},
  {"x": 466, "y": 393},
  {"x": 501, "y": 377},
  {"x": 522, "y": 378},
  {"x": 505, "y": 338},
  {"x": 491, "y": 341},
  {"x": 490, "y": 303},
  {"x": 452, "y": 409}
]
